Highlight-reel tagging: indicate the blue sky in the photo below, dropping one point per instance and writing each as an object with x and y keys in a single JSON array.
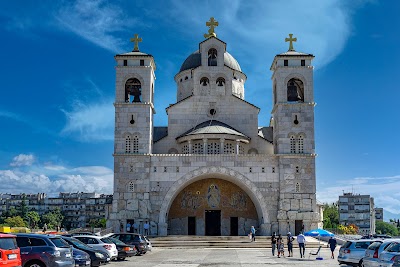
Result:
[{"x": 57, "y": 82}]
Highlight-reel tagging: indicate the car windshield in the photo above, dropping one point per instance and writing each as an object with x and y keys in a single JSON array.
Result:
[
  {"x": 375, "y": 245},
  {"x": 8, "y": 243},
  {"x": 394, "y": 247},
  {"x": 116, "y": 241},
  {"x": 107, "y": 240},
  {"x": 347, "y": 244},
  {"x": 77, "y": 243},
  {"x": 59, "y": 242}
]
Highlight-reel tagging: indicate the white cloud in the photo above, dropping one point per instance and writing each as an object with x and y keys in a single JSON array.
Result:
[
  {"x": 22, "y": 160},
  {"x": 96, "y": 21},
  {"x": 384, "y": 190},
  {"x": 52, "y": 179},
  {"x": 90, "y": 122}
]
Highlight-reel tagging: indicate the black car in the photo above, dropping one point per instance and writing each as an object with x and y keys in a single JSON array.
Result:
[
  {"x": 97, "y": 257},
  {"x": 81, "y": 258},
  {"x": 133, "y": 239},
  {"x": 124, "y": 250}
]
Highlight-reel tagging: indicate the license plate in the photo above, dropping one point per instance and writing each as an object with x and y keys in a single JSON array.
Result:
[
  {"x": 12, "y": 256},
  {"x": 68, "y": 255},
  {"x": 87, "y": 262}
]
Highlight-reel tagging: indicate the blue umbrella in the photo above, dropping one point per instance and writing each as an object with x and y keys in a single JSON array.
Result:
[{"x": 318, "y": 232}]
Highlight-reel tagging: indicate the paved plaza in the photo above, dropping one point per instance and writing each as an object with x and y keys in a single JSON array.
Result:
[{"x": 160, "y": 257}]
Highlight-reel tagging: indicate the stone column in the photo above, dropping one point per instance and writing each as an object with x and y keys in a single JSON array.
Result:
[
  {"x": 190, "y": 146},
  {"x": 237, "y": 147},
  {"x": 205, "y": 146},
  {"x": 221, "y": 146}
]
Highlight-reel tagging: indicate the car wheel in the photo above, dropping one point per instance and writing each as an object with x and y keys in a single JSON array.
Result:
[
  {"x": 121, "y": 258},
  {"x": 35, "y": 264}
]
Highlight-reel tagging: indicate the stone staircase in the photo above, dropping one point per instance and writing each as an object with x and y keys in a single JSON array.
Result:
[{"x": 184, "y": 241}]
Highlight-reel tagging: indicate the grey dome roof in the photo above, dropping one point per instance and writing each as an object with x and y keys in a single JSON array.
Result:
[
  {"x": 194, "y": 61},
  {"x": 213, "y": 127}
]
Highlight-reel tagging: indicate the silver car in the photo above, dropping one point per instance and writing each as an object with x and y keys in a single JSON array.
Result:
[
  {"x": 353, "y": 251},
  {"x": 373, "y": 252},
  {"x": 391, "y": 256}
]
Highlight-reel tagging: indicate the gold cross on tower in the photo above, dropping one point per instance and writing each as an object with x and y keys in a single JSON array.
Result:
[
  {"x": 290, "y": 40},
  {"x": 212, "y": 24},
  {"x": 136, "y": 40}
]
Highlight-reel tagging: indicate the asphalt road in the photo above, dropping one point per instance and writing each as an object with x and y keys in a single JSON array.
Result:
[{"x": 161, "y": 257}]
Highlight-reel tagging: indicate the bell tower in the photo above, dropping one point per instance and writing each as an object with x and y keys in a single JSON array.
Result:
[
  {"x": 134, "y": 107},
  {"x": 294, "y": 142}
]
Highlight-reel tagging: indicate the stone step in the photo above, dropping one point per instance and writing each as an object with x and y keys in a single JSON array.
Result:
[{"x": 221, "y": 242}]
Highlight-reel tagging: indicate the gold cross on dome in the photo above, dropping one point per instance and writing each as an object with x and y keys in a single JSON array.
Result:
[
  {"x": 136, "y": 40},
  {"x": 212, "y": 24},
  {"x": 291, "y": 40}
]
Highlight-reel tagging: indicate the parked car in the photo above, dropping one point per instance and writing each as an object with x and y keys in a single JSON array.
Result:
[
  {"x": 99, "y": 243},
  {"x": 391, "y": 255},
  {"x": 124, "y": 250},
  {"x": 380, "y": 236},
  {"x": 149, "y": 245},
  {"x": 353, "y": 251},
  {"x": 44, "y": 251},
  {"x": 9, "y": 252},
  {"x": 97, "y": 257},
  {"x": 81, "y": 257},
  {"x": 373, "y": 252},
  {"x": 133, "y": 239}
]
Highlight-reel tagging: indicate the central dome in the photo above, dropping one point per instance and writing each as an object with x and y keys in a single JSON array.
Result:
[{"x": 194, "y": 61}]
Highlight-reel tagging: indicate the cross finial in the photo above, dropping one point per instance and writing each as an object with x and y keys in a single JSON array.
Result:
[
  {"x": 136, "y": 40},
  {"x": 212, "y": 24},
  {"x": 291, "y": 40}
]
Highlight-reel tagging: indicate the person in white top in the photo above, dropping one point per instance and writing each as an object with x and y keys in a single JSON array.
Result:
[{"x": 302, "y": 241}]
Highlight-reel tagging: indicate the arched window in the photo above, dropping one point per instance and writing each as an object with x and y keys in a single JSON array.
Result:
[
  {"x": 198, "y": 148},
  {"x": 300, "y": 144},
  {"x": 220, "y": 81},
  {"x": 133, "y": 90},
  {"x": 212, "y": 57},
  {"x": 185, "y": 149},
  {"x": 295, "y": 90},
  {"x": 204, "y": 81},
  {"x": 131, "y": 187},
  {"x": 128, "y": 144},
  {"x": 213, "y": 148},
  {"x": 229, "y": 148},
  {"x": 135, "y": 144},
  {"x": 292, "y": 144},
  {"x": 275, "y": 96}
]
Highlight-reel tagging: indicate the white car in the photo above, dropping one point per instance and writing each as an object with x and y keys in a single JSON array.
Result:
[
  {"x": 99, "y": 242},
  {"x": 391, "y": 255}
]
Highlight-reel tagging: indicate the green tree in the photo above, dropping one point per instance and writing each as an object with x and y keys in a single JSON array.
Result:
[
  {"x": 15, "y": 221},
  {"x": 53, "y": 218},
  {"x": 22, "y": 208},
  {"x": 97, "y": 223},
  {"x": 331, "y": 216},
  {"x": 33, "y": 218},
  {"x": 386, "y": 228}
]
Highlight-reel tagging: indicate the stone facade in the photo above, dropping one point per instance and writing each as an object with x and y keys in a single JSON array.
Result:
[{"x": 213, "y": 139}]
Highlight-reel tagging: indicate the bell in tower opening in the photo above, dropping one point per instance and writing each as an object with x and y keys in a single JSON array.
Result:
[{"x": 295, "y": 90}]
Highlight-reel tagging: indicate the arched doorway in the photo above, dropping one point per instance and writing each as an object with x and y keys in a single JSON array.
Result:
[{"x": 212, "y": 206}]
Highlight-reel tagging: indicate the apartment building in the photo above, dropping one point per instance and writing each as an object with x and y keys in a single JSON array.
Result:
[{"x": 358, "y": 210}]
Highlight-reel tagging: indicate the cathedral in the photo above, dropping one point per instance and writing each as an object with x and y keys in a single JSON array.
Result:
[{"x": 213, "y": 170}]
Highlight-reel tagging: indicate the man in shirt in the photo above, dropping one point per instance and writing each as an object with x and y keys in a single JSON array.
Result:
[
  {"x": 273, "y": 243},
  {"x": 302, "y": 241},
  {"x": 146, "y": 228}
]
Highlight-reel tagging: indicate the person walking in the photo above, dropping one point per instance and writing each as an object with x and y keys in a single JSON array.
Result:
[
  {"x": 253, "y": 234},
  {"x": 44, "y": 227},
  {"x": 281, "y": 246},
  {"x": 273, "y": 243},
  {"x": 290, "y": 240},
  {"x": 301, "y": 240},
  {"x": 128, "y": 226},
  {"x": 332, "y": 245}
]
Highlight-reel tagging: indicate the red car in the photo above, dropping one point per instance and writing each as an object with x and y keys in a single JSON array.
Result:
[{"x": 9, "y": 251}]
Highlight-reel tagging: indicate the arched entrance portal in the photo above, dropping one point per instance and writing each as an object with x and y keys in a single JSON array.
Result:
[{"x": 212, "y": 207}]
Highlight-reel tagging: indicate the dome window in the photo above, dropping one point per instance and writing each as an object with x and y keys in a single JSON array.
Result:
[
  {"x": 212, "y": 57},
  {"x": 204, "y": 81},
  {"x": 220, "y": 81}
]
